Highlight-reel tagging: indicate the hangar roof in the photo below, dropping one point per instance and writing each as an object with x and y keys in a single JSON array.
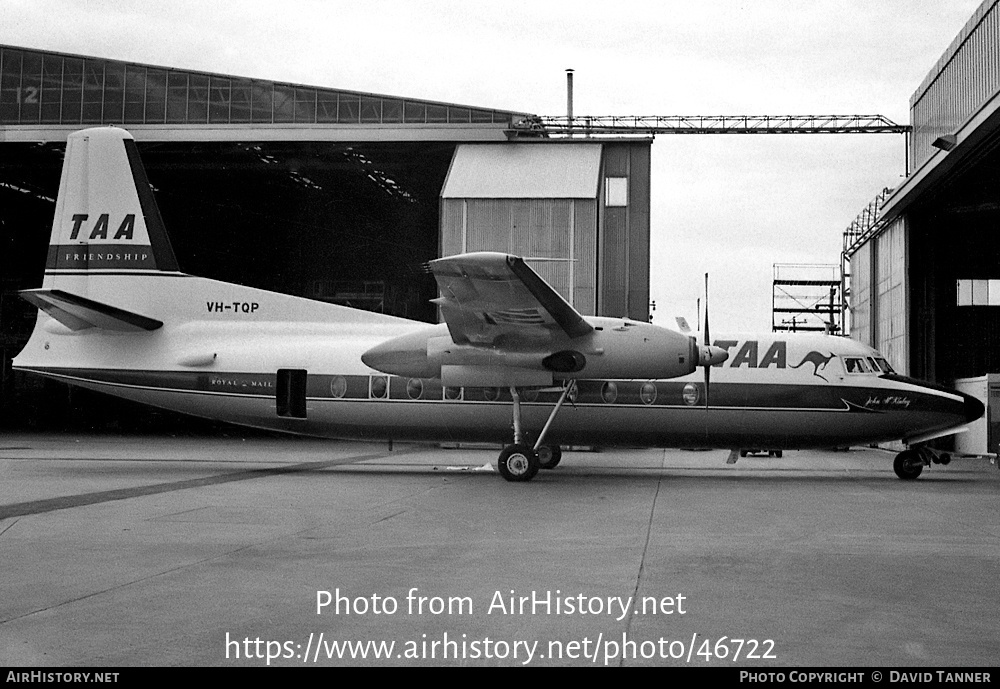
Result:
[
  {"x": 955, "y": 112},
  {"x": 501, "y": 171},
  {"x": 46, "y": 90}
]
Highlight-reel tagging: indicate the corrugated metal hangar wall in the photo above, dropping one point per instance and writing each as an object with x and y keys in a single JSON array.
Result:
[
  {"x": 322, "y": 193},
  {"x": 925, "y": 283},
  {"x": 582, "y": 209}
]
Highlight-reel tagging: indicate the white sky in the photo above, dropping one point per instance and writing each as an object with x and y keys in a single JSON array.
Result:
[{"x": 730, "y": 205}]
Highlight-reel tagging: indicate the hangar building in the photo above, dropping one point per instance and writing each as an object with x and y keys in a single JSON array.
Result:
[
  {"x": 925, "y": 278},
  {"x": 323, "y": 193}
]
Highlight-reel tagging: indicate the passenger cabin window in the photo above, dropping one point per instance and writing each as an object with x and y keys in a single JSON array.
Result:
[
  {"x": 379, "y": 387},
  {"x": 609, "y": 392},
  {"x": 338, "y": 387},
  {"x": 647, "y": 393},
  {"x": 414, "y": 388}
]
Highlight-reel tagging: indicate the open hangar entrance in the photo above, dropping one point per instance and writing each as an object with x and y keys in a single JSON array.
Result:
[
  {"x": 955, "y": 272},
  {"x": 320, "y": 193},
  {"x": 345, "y": 223}
]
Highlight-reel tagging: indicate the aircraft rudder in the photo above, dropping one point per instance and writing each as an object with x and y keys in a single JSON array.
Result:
[{"x": 106, "y": 219}]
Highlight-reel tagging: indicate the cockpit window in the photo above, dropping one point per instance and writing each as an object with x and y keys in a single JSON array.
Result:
[
  {"x": 856, "y": 364},
  {"x": 880, "y": 365}
]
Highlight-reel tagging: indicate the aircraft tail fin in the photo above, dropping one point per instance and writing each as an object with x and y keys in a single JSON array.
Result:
[{"x": 106, "y": 220}]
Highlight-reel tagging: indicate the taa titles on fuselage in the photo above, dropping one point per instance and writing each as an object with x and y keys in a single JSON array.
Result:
[{"x": 117, "y": 315}]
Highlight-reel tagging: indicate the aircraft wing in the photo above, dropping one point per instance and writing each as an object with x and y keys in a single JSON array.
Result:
[{"x": 486, "y": 296}]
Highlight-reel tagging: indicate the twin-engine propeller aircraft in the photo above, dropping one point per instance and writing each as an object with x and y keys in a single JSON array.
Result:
[{"x": 117, "y": 316}]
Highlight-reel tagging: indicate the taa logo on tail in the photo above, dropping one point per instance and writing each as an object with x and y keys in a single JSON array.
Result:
[{"x": 100, "y": 229}]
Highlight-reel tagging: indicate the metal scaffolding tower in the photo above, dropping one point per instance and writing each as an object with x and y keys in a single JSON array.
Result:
[{"x": 806, "y": 298}]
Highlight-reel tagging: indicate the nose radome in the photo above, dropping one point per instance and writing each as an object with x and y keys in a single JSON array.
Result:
[{"x": 974, "y": 408}]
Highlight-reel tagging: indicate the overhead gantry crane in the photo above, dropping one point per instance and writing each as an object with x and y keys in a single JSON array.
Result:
[
  {"x": 601, "y": 126},
  {"x": 650, "y": 125}
]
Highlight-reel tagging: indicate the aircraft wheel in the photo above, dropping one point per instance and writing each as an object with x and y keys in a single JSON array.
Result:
[
  {"x": 908, "y": 465},
  {"x": 518, "y": 463},
  {"x": 774, "y": 453},
  {"x": 549, "y": 456}
]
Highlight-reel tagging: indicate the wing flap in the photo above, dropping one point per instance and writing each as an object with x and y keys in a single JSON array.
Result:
[{"x": 79, "y": 313}]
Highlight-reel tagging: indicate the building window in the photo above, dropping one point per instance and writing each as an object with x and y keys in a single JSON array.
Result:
[
  {"x": 616, "y": 191},
  {"x": 978, "y": 293}
]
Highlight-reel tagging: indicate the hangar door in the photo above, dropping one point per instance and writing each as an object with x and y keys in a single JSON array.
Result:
[{"x": 535, "y": 200}]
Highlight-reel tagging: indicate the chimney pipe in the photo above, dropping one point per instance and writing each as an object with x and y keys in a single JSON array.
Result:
[{"x": 569, "y": 98}]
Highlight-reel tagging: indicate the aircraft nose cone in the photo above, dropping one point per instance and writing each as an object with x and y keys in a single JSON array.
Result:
[{"x": 973, "y": 408}]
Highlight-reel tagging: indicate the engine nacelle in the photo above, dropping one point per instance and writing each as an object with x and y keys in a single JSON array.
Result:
[{"x": 614, "y": 349}]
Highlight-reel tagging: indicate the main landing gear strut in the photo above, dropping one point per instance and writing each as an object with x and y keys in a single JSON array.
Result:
[{"x": 520, "y": 461}]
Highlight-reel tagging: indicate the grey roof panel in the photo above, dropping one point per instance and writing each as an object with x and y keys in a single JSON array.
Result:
[{"x": 526, "y": 170}]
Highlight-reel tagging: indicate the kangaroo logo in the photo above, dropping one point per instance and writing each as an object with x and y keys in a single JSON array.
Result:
[{"x": 817, "y": 360}]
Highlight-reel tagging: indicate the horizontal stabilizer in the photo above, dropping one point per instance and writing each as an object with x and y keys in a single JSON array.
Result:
[{"x": 79, "y": 313}]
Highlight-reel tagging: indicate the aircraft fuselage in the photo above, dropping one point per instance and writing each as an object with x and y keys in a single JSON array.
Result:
[{"x": 774, "y": 391}]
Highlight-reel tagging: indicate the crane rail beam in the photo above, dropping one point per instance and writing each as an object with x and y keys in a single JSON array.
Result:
[{"x": 589, "y": 125}]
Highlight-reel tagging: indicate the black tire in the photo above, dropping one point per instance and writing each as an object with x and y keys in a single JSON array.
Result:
[
  {"x": 908, "y": 465},
  {"x": 518, "y": 463},
  {"x": 774, "y": 453},
  {"x": 549, "y": 456}
]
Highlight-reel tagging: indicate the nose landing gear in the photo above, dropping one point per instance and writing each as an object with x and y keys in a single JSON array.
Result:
[{"x": 910, "y": 463}]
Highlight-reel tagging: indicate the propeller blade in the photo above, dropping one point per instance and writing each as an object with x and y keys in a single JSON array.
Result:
[
  {"x": 708, "y": 368},
  {"x": 707, "y": 342},
  {"x": 708, "y": 354}
]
